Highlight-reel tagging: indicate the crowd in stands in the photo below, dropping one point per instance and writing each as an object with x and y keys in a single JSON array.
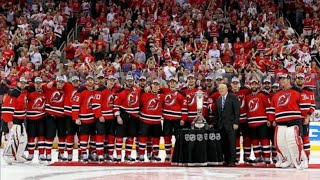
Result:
[{"x": 159, "y": 38}]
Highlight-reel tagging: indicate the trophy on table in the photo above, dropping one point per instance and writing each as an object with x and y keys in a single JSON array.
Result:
[{"x": 199, "y": 122}]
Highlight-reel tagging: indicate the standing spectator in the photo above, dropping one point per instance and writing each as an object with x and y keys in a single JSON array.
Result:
[
  {"x": 169, "y": 70},
  {"x": 36, "y": 57}
]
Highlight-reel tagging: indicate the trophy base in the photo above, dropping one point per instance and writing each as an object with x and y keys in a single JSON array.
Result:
[
  {"x": 199, "y": 123},
  {"x": 200, "y": 126}
]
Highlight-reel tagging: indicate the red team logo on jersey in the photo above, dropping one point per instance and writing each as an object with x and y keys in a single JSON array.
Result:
[
  {"x": 89, "y": 102},
  {"x": 284, "y": 99},
  {"x": 253, "y": 104},
  {"x": 153, "y": 104},
  {"x": 170, "y": 99},
  {"x": 110, "y": 101},
  {"x": 39, "y": 103},
  {"x": 57, "y": 97},
  {"x": 190, "y": 99},
  {"x": 132, "y": 98}
]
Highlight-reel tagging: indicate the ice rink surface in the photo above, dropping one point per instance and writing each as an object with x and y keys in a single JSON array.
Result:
[{"x": 36, "y": 171}]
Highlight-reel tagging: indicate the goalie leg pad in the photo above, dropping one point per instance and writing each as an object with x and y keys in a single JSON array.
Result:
[
  {"x": 23, "y": 141},
  {"x": 295, "y": 146},
  {"x": 284, "y": 158},
  {"x": 16, "y": 145}
]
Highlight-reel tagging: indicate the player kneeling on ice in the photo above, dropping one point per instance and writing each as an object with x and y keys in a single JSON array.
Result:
[
  {"x": 288, "y": 106},
  {"x": 14, "y": 113}
]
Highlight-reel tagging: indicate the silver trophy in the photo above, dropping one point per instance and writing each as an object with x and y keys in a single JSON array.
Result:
[{"x": 199, "y": 122}]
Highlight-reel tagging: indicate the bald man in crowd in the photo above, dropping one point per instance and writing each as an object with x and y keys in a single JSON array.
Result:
[{"x": 227, "y": 115}]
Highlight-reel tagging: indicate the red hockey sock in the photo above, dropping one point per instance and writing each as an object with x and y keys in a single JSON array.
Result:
[
  {"x": 69, "y": 143},
  {"x": 142, "y": 145},
  {"x": 266, "y": 148},
  {"x": 155, "y": 146},
  {"x": 83, "y": 139},
  {"x": 119, "y": 142},
  {"x": 110, "y": 144},
  {"x": 136, "y": 142},
  {"x": 238, "y": 148},
  {"x": 105, "y": 145},
  {"x": 256, "y": 148},
  {"x": 306, "y": 145},
  {"x": 167, "y": 144},
  {"x": 61, "y": 144},
  {"x": 48, "y": 144},
  {"x": 41, "y": 144},
  {"x": 100, "y": 144},
  {"x": 31, "y": 145},
  {"x": 92, "y": 144},
  {"x": 246, "y": 146},
  {"x": 129, "y": 143},
  {"x": 149, "y": 145}
]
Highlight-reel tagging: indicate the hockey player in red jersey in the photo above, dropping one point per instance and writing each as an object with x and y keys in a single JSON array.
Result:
[
  {"x": 54, "y": 120},
  {"x": 14, "y": 113},
  {"x": 308, "y": 100},
  {"x": 126, "y": 111},
  {"x": 189, "y": 93},
  {"x": 258, "y": 107},
  {"x": 287, "y": 108},
  {"x": 102, "y": 105},
  {"x": 150, "y": 120},
  {"x": 71, "y": 127},
  {"x": 143, "y": 84},
  {"x": 267, "y": 90},
  {"x": 35, "y": 119},
  {"x": 243, "y": 126},
  {"x": 82, "y": 113},
  {"x": 174, "y": 110}
]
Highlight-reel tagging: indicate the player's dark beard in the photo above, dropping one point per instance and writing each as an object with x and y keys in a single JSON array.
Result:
[
  {"x": 254, "y": 90},
  {"x": 299, "y": 84},
  {"x": 267, "y": 88}
]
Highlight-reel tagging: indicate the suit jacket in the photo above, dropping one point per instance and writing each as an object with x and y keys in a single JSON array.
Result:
[{"x": 230, "y": 114}]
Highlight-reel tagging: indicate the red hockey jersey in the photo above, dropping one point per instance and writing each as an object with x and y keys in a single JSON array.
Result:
[
  {"x": 258, "y": 107},
  {"x": 70, "y": 91},
  {"x": 103, "y": 102},
  {"x": 286, "y": 106},
  {"x": 175, "y": 105},
  {"x": 36, "y": 104},
  {"x": 54, "y": 101},
  {"x": 128, "y": 100},
  {"x": 192, "y": 104},
  {"x": 82, "y": 105},
  {"x": 14, "y": 105},
  {"x": 242, "y": 93},
  {"x": 151, "y": 108}
]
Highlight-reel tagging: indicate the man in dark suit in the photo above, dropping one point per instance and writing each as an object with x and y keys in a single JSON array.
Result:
[{"x": 227, "y": 115}]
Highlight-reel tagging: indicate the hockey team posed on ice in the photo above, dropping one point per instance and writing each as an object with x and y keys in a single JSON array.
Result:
[{"x": 105, "y": 113}]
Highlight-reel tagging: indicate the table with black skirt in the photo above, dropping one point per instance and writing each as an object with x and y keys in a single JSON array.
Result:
[{"x": 197, "y": 147}]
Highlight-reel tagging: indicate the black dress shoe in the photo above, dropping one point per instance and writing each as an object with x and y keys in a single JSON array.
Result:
[
  {"x": 232, "y": 164},
  {"x": 225, "y": 164}
]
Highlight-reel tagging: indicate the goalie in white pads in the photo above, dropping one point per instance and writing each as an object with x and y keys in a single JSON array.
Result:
[
  {"x": 14, "y": 113},
  {"x": 288, "y": 106}
]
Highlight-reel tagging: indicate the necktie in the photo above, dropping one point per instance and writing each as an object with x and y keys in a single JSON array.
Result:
[{"x": 223, "y": 101}]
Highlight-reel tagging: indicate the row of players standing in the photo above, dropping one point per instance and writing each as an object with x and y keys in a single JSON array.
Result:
[{"x": 103, "y": 116}]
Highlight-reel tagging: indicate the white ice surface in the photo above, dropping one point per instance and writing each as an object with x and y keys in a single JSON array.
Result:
[{"x": 35, "y": 171}]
